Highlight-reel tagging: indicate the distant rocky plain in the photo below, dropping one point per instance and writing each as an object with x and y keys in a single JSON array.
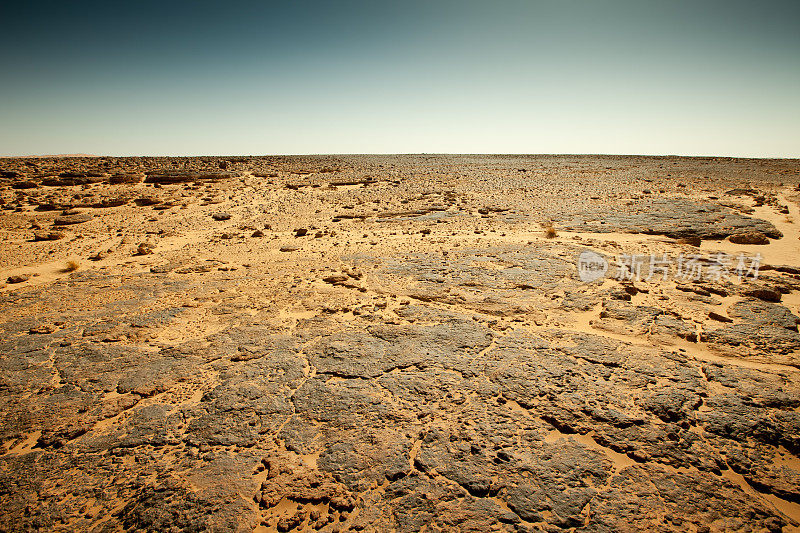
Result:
[{"x": 399, "y": 343}]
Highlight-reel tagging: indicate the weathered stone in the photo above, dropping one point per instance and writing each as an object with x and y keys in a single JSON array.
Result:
[
  {"x": 171, "y": 177},
  {"x": 753, "y": 237},
  {"x": 760, "y": 312},
  {"x": 47, "y": 236},
  {"x": 674, "y": 217},
  {"x": 24, "y": 185},
  {"x": 78, "y": 218},
  {"x": 125, "y": 178},
  {"x": 763, "y": 293},
  {"x": 765, "y": 338}
]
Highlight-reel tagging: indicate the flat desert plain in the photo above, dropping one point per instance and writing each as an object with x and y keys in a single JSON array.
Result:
[{"x": 399, "y": 343}]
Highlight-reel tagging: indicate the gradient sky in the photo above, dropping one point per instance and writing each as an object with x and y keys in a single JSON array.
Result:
[{"x": 299, "y": 77}]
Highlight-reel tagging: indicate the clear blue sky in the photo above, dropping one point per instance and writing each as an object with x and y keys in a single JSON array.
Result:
[{"x": 184, "y": 78}]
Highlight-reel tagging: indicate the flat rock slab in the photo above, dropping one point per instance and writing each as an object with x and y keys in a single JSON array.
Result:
[
  {"x": 778, "y": 343},
  {"x": 760, "y": 312},
  {"x": 169, "y": 177},
  {"x": 73, "y": 180},
  {"x": 68, "y": 220},
  {"x": 676, "y": 218}
]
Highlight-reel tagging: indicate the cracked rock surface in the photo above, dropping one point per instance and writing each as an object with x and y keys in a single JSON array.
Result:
[{"x": 388, "y": 343}]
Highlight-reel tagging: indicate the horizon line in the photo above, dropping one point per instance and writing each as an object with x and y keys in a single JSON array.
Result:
[{"x": 335, "y": 154}]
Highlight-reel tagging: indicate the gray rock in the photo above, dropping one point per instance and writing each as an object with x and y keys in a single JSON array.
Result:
[
  {"x": 760, "y": 312},
  {"x": 673, "y": 217},
  {"x": 78, "y": 218}
]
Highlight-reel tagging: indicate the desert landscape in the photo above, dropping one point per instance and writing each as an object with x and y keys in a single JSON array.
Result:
[{"x": 400, "y": 343}]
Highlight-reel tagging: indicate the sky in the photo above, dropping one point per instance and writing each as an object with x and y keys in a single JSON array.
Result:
[{"x": 434, "y": 76}]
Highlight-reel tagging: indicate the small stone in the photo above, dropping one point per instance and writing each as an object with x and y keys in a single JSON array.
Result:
[
  {"x": 752, "y": 237},
  {"x": 257, "y": 233},
  {"x": 300, "y": 232},
  {"x": 763, "y": 293},
  {"x": 144, "y": 248},
  {"x": 42, "y": 330},
  {"x": 289, "y": 523},
  {"x": 221, "y": 216},
  {"x": 19, "y": 278},
  {"x": 639, "y": 456},
  {"x": 147, "y": 201},
  {"x": 125, "y": 178},
  {"x": 718, "y": 317},
  {"x": 47, "y": 235},
  {"x": 66, "y": 220},
  {"x": 24, "y": 185},
  {"x": 691, "y": 241}
]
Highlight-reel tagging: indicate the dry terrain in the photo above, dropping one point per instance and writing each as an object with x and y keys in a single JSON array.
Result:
[{"x": 399, "y": 343}]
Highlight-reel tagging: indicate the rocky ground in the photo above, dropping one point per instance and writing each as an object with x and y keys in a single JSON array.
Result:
[{"x": 398, "y": 343}]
